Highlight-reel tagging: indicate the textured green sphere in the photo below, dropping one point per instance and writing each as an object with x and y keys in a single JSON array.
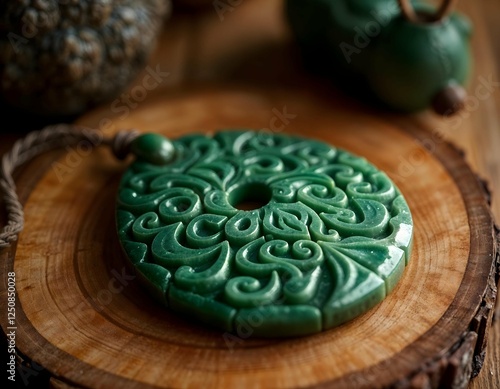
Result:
[
  {"x": 64, "y": 57},
  {"x": 280, "y": 235}
]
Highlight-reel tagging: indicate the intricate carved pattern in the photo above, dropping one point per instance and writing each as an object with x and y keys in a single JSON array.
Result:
[{"x": 330, "y": 241}]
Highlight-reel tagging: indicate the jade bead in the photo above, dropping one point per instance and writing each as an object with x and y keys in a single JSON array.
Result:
[{"x": 153, "y": 148}]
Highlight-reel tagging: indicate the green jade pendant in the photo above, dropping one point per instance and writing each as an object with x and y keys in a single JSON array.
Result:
[{"x": 328, "y": 239}]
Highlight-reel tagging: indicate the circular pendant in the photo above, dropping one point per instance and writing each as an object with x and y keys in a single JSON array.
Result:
[{"x": 287, "y": 235}]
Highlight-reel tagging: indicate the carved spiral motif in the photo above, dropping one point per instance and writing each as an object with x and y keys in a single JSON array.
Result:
[{"x": 329, "y": 239}]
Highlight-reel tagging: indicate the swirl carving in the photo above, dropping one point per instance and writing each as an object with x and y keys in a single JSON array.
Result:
[{"x": 329, "y": 239}]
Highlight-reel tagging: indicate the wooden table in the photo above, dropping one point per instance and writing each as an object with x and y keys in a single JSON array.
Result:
[{"x": 251, "y": 44}]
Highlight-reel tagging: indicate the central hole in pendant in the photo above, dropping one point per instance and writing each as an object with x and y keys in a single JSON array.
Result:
[{"x": 250, "y": 196}]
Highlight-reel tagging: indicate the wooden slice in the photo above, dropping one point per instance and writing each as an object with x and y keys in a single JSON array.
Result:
[{"x": 83, "y": 316}]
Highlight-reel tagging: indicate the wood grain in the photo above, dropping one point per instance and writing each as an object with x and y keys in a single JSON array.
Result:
[
  {"x": 217, "y": 67},
  {"x": 97, "y": 327}
]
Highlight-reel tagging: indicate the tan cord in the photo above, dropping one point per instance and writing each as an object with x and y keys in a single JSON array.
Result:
[
  {"x": 36, "y": 143},
  {"x": 412, "y": 16}
]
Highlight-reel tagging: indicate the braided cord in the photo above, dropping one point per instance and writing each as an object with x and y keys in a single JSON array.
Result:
[{"x": 39, "y": 142}]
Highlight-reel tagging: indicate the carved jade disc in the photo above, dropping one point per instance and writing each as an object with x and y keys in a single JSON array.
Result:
[{"x": 288, "y": 235}]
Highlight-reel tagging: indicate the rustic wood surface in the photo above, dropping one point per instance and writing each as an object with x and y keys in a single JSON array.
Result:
[
  {"x": 233, "y": 73},
  {"x": 97, "y": 326}
]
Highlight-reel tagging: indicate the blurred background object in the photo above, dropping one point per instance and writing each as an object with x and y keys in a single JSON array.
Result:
[
  {"x": 406, "y": 56},
  {"x": 65, "y": 57}
]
